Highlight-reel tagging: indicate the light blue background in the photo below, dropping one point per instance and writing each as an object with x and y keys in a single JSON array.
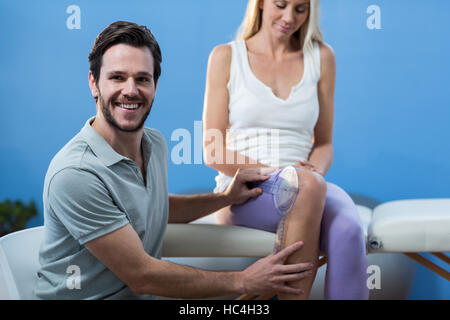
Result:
[{"x": 392, "y": 96}]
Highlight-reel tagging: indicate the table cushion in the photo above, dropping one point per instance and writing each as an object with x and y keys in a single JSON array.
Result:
[
  {"x": 208, "y": 240},
  {"x": 203, "y": 238},
  {"x": 420, "y": 225}
]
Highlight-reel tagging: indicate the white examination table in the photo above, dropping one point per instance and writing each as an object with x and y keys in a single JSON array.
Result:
[{"x": 406, "y": 226}]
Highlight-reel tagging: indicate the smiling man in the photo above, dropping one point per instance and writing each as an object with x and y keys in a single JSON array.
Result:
[{"x": 106, "y": 201}]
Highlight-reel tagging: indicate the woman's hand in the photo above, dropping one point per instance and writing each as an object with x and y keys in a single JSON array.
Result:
[{"x": 308, "y": 166}]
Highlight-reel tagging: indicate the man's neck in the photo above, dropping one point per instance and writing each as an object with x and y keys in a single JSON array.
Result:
[{"x": 127, "y": 144}]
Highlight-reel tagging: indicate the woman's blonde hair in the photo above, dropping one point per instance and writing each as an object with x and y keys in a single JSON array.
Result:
[{"x": 308, "y": 33}]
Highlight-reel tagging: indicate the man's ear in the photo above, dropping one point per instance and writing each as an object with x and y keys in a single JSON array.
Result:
[{"x": 93, "y": 85}]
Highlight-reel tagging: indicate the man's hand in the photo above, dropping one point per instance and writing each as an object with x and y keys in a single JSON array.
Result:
[
  {"x": 270, "y": 274},
  {"x": 238, "y": 191}
]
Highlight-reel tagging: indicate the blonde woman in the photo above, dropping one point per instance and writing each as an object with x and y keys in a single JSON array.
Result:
[{"x": 276, "y": 82}]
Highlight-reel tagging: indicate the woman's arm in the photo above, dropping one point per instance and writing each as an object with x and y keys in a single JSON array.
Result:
[
  {"x": 215, "y": 117},
  {"x": 322, "y": 152}
]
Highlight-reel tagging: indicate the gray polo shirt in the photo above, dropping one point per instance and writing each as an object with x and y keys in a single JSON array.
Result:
[{"x": 89, "y": 191}]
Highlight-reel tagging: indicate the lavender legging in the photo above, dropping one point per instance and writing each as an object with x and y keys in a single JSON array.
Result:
[{"x": 341, "y": 238}]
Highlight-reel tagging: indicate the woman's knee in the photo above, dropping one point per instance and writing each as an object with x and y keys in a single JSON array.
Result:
[
  {"x": 349, "y": 230},
  {"x": 338, "y": 198},
  {"x": 341, "y": 208},
  {"x": 311, "y": 197},
  {"x": 312, "y": 184}
]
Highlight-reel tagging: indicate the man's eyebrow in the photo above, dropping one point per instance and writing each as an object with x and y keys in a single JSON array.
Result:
[
  {"x": 116, "y": 72},
  {"x": 140, "y": 73},
  {"x": 145, "y": 73}
]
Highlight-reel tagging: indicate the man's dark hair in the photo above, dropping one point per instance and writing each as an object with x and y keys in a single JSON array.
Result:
[{"x": 128, "y": 33}]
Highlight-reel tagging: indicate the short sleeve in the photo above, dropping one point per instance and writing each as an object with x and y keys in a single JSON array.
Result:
[{"x": 83, "y": 204}]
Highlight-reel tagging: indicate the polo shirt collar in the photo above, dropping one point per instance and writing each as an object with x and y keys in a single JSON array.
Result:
[{"x": 99, "y": 146}]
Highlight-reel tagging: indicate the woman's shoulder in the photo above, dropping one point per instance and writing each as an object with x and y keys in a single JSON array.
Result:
[
  {"x": 327, "y": 60},
  {"x": 327, "y": 54},
  {"x": 220, "y": 58},
  {"x": 221, "y": 52}
]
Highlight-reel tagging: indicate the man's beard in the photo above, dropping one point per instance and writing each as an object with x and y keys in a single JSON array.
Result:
[{"x": 110, "y": 119}]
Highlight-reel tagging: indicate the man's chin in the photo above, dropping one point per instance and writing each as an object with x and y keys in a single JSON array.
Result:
[
  {"x": 129, "y": 128},
  {"x": 125, "y": 126}
]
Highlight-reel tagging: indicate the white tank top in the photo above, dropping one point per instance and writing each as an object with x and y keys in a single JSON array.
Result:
[{"x": 264, "y": 127}]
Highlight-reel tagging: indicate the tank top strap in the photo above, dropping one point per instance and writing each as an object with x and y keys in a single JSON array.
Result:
[
  {"x": 313, "y": 59},
  {"x": 237, "y": 67}
]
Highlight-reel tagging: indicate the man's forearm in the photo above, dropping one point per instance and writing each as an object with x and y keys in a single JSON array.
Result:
[
  {"x": 186, "y": 208},
  {"x": 167, "y": 279}
]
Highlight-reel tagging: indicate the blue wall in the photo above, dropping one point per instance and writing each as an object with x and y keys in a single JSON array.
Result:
[{"x": 392, "y": 97}]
